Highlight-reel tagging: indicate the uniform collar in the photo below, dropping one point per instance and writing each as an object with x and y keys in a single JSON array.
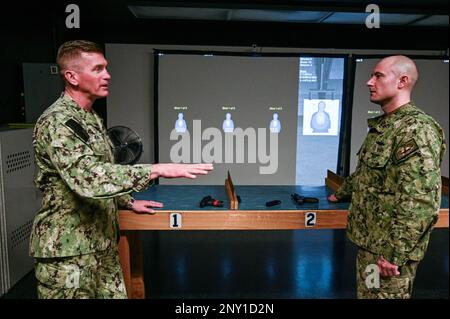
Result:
[
  {"x": 379, "y": 123},
  {"x": 69, "y": 101},
  {"x": 77, "y": 109}
]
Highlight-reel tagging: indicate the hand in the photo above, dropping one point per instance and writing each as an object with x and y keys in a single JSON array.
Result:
[
  {"x": 143, "y": 206},
  {"x": 180, "y": 170},
  {"x": 386, "y": 268},
  {"x": 332, "y": 198}
]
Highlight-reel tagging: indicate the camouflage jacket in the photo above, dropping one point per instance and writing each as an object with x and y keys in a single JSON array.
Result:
[
  {"x": 396, "y": 187},
  {"x": 82, "y": 187}
]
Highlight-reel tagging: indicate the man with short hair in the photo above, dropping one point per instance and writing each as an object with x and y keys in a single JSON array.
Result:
[
  {"x": 76, "y": 231},
  {"x": 396, "y": 188}
]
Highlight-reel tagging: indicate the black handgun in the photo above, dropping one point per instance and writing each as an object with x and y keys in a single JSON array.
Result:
[
  {"x": 209, "y": 201},
  {"x": 300, "y": 200}
]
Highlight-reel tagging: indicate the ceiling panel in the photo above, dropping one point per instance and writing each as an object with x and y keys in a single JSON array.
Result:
[
  {"x": 436, "y": 20},
  {"x": 329, "y": 14}
]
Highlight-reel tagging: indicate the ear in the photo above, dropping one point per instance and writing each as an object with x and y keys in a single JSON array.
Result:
[
  {"x": 71, "y": 77},
  {"x": 403, "y": 81}
]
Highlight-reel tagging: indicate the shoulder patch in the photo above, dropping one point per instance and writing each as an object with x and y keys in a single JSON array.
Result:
[
  {"x": 405, "y": 150},
  {"x": 78, "y": 130}
]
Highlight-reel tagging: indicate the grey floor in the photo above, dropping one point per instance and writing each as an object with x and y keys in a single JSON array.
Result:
[{"x": 300, "y": 264}]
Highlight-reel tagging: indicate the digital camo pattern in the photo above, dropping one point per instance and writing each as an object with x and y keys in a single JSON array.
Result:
[
  {"x": 81, "y": 185},
  {"x": 396, "y": 187},
  {"x": 90, "y": 276}
]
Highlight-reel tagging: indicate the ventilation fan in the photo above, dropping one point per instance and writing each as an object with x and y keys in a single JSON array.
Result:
[{"x": 127, "y": 145}]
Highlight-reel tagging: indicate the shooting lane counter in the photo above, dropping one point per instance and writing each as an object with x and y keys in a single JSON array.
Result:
[{"x": 182, "y": 212}]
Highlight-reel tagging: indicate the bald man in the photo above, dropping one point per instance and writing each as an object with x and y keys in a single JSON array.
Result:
[{"x": 395, "y": 190}]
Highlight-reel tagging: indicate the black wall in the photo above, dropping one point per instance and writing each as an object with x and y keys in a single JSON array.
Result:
[{"x": 32, "y": 32}]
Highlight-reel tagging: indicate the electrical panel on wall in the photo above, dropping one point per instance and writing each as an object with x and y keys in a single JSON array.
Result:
[
  {"x": 42, "y": 86},
  {"x": 19, "y": 201}
]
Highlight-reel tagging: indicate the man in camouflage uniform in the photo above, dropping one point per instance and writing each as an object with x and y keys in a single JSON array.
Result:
[
  {"x": 76, "y": 231},
  {"x": 396, "y": 188}
]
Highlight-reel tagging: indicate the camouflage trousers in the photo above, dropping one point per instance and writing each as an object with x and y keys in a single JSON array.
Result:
[
  {"x": 371, "y": 285},
  {"x": 89, "y": 276}
]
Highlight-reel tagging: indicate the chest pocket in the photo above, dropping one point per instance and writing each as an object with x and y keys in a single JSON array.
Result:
[
  {"x": 374, "y": 174},
  {"x": 100, "y": 146},
  {"x": 376, "y": 154}
]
